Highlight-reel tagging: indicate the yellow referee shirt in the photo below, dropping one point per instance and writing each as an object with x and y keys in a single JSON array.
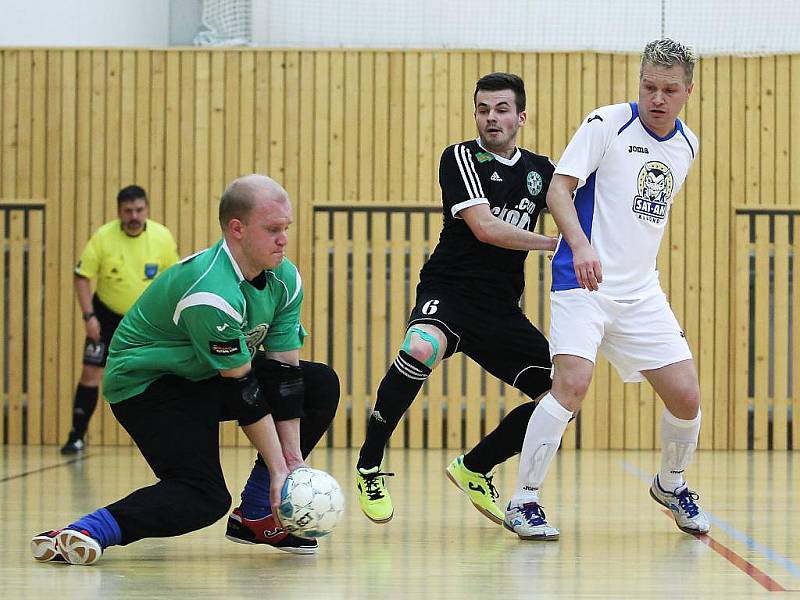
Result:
[{"x": 123, "y": 265}]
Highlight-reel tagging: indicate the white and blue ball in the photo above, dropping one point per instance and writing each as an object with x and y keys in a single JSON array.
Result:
[{"x": 312, "y": 503}]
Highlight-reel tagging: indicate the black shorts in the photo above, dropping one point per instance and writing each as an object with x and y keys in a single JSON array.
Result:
[
  {"x": 499, "y": 337},
  {"x": 96, "y": 353}
]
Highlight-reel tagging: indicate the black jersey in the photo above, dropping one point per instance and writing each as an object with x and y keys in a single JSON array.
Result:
[{"x": 515, "y": 190}]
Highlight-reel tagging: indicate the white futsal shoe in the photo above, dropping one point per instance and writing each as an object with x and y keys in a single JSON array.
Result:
[
  {"x": 528, "y": 522},
  {"x": 682, "y": 501},
  {"x": 66, "y": 546},
  {"x": 78, "y": 547}
]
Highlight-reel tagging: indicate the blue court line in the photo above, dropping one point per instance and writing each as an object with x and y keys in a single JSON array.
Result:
[{"x": 739, "y": 536}]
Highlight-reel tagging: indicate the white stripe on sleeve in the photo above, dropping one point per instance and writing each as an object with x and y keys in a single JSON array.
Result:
[
  {"x": 467, "y": 170},
  {"x": 206, "y": 299}
]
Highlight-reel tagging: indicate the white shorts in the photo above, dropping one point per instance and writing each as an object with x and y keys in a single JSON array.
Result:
[{"x": 634, "y": 336}]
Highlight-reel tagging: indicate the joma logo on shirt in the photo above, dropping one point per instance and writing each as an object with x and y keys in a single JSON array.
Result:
[{"x": 639, "y": 149}]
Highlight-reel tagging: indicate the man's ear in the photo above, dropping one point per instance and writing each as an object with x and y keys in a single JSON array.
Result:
[{"x": 235, "y": 227}]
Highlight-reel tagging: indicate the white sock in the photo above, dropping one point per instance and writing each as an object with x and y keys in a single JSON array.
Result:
[
  {"x": 678, "y": 443},
  {"x": 542, "y": 438}
]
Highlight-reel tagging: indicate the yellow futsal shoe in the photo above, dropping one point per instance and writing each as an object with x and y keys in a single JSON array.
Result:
[
  {"x": 478, "y": 488},
  {"x": 373, "y": 497}
]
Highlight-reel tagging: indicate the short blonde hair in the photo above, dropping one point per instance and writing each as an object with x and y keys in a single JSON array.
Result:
[
  {"x": 242, "y": 194},
  {"x": 668, "y": 53}
]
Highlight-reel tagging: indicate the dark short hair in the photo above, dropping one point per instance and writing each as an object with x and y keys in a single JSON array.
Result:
[
  {"x": 494, "y": 82},
  {"x": 130, "y": 193}
]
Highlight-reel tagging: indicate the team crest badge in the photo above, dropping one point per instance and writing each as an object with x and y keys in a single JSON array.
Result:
[
  {"x": 534, "y": 183},
  {"x": 254, "y": 337},
  {"x": 150, "y": 270},
  {"x": 655, "y": 184}
]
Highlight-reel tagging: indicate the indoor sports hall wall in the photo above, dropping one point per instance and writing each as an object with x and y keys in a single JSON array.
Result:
[{"x": 355, "y": 137}]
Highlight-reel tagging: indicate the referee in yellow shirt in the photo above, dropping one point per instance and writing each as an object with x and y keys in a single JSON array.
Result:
[{"x": 123, "y": 256}]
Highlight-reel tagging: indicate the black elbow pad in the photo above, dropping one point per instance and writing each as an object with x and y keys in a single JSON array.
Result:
[
  {"x": 283, "y": 387},
  {"x": 251, "y": 405}
]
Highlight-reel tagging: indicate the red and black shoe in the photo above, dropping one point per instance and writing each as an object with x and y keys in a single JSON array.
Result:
[{"x": 266, "y": 531}]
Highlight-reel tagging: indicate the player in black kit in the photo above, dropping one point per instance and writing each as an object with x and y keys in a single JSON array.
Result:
[{"x": 469, "y": 292}]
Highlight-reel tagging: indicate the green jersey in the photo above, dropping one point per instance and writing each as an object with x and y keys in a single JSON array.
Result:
[{"x": 202, "y": 316}]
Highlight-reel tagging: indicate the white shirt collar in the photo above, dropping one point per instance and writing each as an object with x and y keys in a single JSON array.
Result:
[{"x": 233, "y": 260}]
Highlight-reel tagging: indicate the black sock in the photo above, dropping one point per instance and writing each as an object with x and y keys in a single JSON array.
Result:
[
  {"x": 502, "y": 443},
  {"x": 397, "y": 391},
  {"x": 82, "y": 409}
]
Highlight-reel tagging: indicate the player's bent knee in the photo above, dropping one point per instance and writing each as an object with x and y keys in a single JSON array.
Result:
[
  {"x": 217, "y": 505},
  {"x": 687, "y": 402},
  {"x": 319, "y": 376},
  {"x": 322, "y": 389},
  {"x": 332, "y": 390},
  {"x": 205, "y": 502},
  {"x": 284, "y": 387},
  {"x": 692, "y": 398},
  {"x": 422, "y": 345},
  {"x": 224, "y": 504},
  {"x": 222, "y": 501},
  {"x": 571, "y": 384}
]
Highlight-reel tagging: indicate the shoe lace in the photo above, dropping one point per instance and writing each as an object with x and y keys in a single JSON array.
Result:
[
  {"x": 533, "y": 513},
  {"x": 372, "y": 485},
  {"x": 492, "y": 490},
  {"x": 686, "y": 500}
]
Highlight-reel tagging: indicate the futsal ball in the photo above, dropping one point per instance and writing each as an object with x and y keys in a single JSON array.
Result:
[{"x": 311, "y": 503}]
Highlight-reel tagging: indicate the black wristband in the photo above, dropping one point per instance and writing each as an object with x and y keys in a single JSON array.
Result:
[
  {"x": 250, "y": 402},
  {"x": 88, "y": 315}
]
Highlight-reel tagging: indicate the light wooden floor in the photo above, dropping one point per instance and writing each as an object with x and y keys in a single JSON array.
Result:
[{"x": 615, "y": 542}]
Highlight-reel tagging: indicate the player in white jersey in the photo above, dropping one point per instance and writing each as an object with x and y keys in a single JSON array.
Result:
[{"x": 610, "y": 196}]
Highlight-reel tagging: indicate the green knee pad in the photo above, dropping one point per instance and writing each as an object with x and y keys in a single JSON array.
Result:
[{"x": 406, "y": 347}]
